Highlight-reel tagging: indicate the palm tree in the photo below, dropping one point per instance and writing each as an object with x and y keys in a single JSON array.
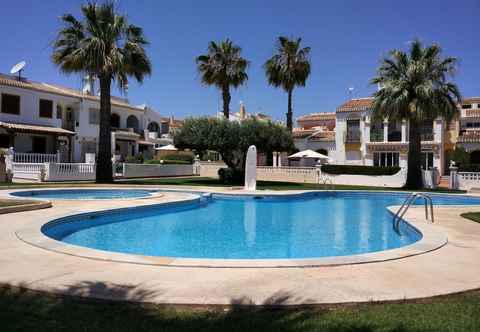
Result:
[
  {"x": 288, "y": 68},
  {"x": 106, "y": 46},
  {"x": 223, "y": 66},
  {"x": 415, "y": 86}
]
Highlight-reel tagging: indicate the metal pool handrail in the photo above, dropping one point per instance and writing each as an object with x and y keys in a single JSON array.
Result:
[{"x": 406, "y": 204}]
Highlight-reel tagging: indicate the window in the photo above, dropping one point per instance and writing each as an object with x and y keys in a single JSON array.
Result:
[
  {"x": 59, "y": 112},
  {"x": 132, "y": 122},
  {"x": 353, "y": 131},
  {"x": 394, "y": 131},
  {"x": 46, "y": 108},
  {"x": 115, "y": 120},
  {"x": 386, "y": 159},
  {"x": 376, "y": 132},
  {"x": 427, "y": 160},
  {"x": 10, "y": 104},
  {"x": 39, "y": 144},
  {"x": 466, "y": 106},
  {"x": 94, "y": 116}
]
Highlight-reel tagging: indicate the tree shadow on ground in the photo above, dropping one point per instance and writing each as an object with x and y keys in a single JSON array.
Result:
[{"x": 24, "y": 310}]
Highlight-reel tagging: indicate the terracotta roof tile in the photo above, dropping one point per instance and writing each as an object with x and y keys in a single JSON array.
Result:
[
  {"x": 471, "y": 100},
  {"x": 327, "y": 136},
  {"x": 317, "y": 116},
  {"x": 356, "y": 105}
]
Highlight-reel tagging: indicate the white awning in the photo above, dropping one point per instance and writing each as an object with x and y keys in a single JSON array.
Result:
[{"x": 28, "y": 128}]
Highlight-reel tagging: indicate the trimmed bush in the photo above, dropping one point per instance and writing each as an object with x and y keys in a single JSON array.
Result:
[
  {"x": 167, "y": 162},
  {"x": 360, "y": 170},
  {"x": 469, "y": 168},
  {"x": 178, "y": 157},
  {"x": 230, "y": 176}
]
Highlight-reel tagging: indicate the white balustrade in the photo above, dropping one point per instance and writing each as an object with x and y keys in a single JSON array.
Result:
[
  {"x": 468, "y": 180},
  {"x": 35, "y": 157}
]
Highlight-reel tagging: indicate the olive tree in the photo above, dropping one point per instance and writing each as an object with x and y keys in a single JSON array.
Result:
[{"x": 232, "y": 139}]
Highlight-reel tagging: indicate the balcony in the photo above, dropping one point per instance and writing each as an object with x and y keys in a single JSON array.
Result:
[
  {"x": 395, "y": 136},
  {"x": 353, "y": 136},
  {"x": 428, "y": 137},
  {"x": 376, "y": 136}
]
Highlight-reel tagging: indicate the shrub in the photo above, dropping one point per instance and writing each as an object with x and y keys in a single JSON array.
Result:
[
  {"x": 469, "y": 168},
  {"x": 138, "y": 159},
  {"x": 167, "y": 162},
  {"x": 360, "y": 170},
  {"x": 230, "y": 176},
  {"x": 178, "y": 157},
  {"x": 459, "y": 156}
]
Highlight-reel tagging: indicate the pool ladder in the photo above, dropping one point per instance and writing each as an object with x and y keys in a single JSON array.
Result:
[{"x": 406, "y": 204}]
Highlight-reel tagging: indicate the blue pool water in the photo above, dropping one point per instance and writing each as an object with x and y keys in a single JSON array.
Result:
[
  {"x": 320, "y": 225},
  {"x": 84, "y": 193}
]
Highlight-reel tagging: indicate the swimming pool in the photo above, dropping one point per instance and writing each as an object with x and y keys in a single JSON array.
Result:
[
  {"x": 73, "y": 194},
  {"x": 312, "y": 225}
]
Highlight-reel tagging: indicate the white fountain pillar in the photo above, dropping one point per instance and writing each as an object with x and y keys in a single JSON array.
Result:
[{"x": 251, "y": 169}]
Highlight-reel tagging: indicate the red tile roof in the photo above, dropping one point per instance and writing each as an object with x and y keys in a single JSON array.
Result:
[
  {"x": 356, "y": 105},
  {"x": 327, "y": 136},
  {"x": 317, "y": 116},
  {"x": 471, "y": 100}
]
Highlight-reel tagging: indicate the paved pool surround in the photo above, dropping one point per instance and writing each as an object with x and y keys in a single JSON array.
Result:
[{"x": 444, "y": 261}]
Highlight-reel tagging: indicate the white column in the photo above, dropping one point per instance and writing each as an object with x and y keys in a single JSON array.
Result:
[
  {"x": 275, "y": 155},
  {"x": 279, "y": 161},
  {"x": 404, "y": 131},
  {"x": 385, "y": 130}
]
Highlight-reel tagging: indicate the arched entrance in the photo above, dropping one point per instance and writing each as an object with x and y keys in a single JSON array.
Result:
[
  {"x": 132, "y": 122},
  {"x": 153, "y": 127},
  {"x": 475, "y": 157}
]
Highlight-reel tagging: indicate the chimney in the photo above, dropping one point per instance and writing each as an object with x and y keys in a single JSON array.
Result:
[
  {"x": 243, "y": 112},
  {"x": 89, "y": 85}
]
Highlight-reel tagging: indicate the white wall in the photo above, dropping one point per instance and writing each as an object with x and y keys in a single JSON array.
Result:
[{"x": 145, "y": 170}]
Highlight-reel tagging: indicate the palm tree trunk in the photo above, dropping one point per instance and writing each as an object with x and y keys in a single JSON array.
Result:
[
  {"x": 290, "y": 111},
  {"x": 414, "y": 171},
  {"x": 104, "y": 158},
  {"x": 226, "y": 101}
]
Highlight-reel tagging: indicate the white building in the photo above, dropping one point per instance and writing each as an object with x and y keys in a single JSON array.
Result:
[
  {"x": 39, "y": 117},
  {"x": 351, "y": 136},
  {"x": 362, "y": 141}
]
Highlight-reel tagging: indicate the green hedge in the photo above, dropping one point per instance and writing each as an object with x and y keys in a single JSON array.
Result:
[
  {"x": 469, "y": 168},
  {"x": 360, "y": 170},
  {"x": 167, "y": 162},
  {"x": 181, "y": 157}
]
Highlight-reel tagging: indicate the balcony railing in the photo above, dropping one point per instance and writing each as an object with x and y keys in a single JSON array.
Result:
[{"x": 427, "y": 137}]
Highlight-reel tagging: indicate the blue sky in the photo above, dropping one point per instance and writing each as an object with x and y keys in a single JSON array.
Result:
[{"x": 347, "y": 39}]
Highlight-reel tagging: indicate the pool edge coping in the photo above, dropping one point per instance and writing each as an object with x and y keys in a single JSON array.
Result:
[{"x": 431, "y": 240}]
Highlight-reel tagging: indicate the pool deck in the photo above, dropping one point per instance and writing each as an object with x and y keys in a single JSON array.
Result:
[{"x": 454, "y": 267}]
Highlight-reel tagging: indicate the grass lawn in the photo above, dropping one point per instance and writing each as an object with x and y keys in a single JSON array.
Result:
[
  {"x": 475, "y": 216},
  {"x": 270, "y": 185},
  {"x": 211, "y": 182},
  {"x": 22, "y": 310}
]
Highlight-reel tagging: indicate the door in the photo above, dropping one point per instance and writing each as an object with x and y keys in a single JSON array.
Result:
[{"x": 39, "y": 144}]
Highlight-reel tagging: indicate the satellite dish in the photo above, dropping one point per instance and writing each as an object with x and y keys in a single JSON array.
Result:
[{"x": 18, "y": 69}]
